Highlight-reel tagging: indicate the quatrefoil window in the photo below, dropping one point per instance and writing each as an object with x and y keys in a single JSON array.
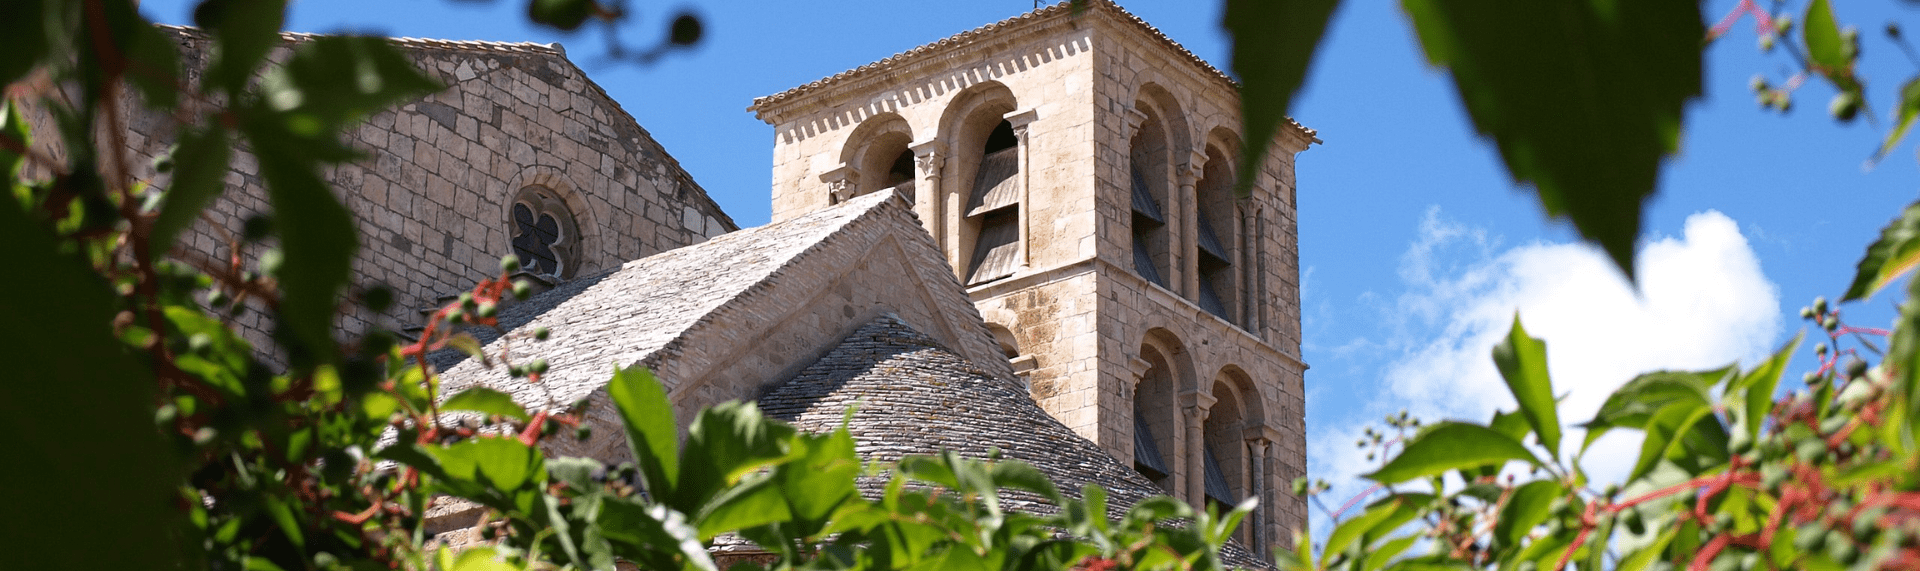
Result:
[{"x": 544, "y": 235}]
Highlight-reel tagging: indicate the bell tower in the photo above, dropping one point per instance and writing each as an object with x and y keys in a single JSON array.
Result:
[{"x": 1077, "y": 168}]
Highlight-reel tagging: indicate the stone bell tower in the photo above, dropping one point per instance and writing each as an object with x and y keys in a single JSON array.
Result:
[{"x": 1078, "y": 170}]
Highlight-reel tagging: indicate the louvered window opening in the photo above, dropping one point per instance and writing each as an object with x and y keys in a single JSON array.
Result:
[
  {"x": 1146, "y": 454},
  {"x": 1146, "y": 218},
  {"x": 997, "y": 184},
  {"x": 1210, "y": 300},
  {"x": 996, "y": 253},
  {"x": 1210, "y": 242},
  {"x": 1217, "y": 488}
]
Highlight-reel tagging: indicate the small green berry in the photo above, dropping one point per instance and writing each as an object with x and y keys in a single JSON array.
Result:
[
  {"x": 1844, "y": 107},
  {"x": 522, "y": 290},
  {"x": 488, "y": 310},
  {"x": 378, "y": 298},
  {"x": 1820, "y": 349},
  {"x": 583, "y": 433},
  {"x": 1830, "y": 322},
  {"x": 1856, "y": 368},
  {"x": 541, "y": 334},
  {"x": 217, "y": 299},
  {"x": 538, "y": 366},
  {"x": 1820, "y": 304},
  {"x": 1806, "y": 313},
  {"x": 509, "y": 263},
  {"x": 466, "y": 300}
]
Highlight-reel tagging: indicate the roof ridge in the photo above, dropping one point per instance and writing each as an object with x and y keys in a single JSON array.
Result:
[{"x": 411, "y": 42}]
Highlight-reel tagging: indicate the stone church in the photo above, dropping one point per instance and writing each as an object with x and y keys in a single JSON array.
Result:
[{"x": 1023, "y": 237}]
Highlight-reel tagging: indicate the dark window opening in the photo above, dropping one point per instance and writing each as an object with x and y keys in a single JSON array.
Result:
[
  {"x": 1146, "y": 454},
  {"x": 1002, "y": 138},
  {"x": 902, "y": 169},
  {"x": 1216, "y": 484}
]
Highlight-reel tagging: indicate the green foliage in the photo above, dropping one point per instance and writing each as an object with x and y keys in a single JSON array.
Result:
[{"x": 177, "y": 443}]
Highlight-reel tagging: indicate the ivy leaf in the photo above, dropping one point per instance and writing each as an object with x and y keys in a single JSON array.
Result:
[
  {"x": 1903, "y": 116},
  {"x": 24, "y": 24},
  {"x": 1528, "y": 507},
  {"x": 198, "y": 178},
  {"x": 1523, "y": 363},
  {"x": 1893, "y": 255},
  {"x": 482, "y": 399},
  {"x": 1822, "y": 34},
  {"x": 1273, "y": 42},
  {"x": 1758, "y": 385},
  {"x": 1450, "y": 445},
  {"x": 648, "y": 419},
  {"x": 66, "y": 370},
  {"x": 1583, "y": 98}
]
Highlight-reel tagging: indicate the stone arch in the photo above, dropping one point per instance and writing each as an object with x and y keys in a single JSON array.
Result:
[
  {"x": 1157, "y": 428},
  {"x": 976, "y": 132},
  {"x": 1154, "y": 148},
  {"x": 1219, "y": 251},
  {"x": 876, "y": 149},
  {"x": 532, "y": 181}
]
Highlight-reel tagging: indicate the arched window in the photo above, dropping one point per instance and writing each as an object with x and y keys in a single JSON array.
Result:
[
  {"x": 1217, "y": 230},
  {"x": 1148, "y": 174},
  {"x": 1225, "y": 448},
  {"x": 994, "y": 205},
  {"x": 544, "y": 234},
  {"x": 1156, "y": 425}
]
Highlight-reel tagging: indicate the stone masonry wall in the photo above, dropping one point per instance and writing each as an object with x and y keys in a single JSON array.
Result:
[{"x": 432, "y": 196}]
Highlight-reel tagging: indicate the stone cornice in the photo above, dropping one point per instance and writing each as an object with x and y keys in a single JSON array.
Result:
[{"x": 772, "y": 108}]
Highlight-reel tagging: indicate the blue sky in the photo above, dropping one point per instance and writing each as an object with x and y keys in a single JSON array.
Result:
[{"x": 1416, "y": 247}]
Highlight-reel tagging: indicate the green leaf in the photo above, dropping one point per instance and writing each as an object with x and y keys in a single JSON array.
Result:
[
  {"x": 502, "y": 463},
  {"x": 68, "y": 378},
  {"x": 648, "y": 418},
  {"x": 24, "y": 23},
  {"x": 469, "y": 345},
  {"x": 1529, "y": 506},
  {"x": 1824, "y": 47},
  {"x": 153, "y": 66},
  {"x": 485, "y": 400},
  {"x": 1633, "y": 404},
  {"x": 751, "y": 504},
  {"x": 1894, "y": 254},
  {"x": 332, "y": 81},
  {"x": 14, "y": 131},
  {"x": 318, "y": 242},
  {"x": 242, "y": 33},
  {"x": 822, "y": 479},
  {"x": 1356, "y": 528},
  {"x": 1686, "y": 433},
  {"x": 475, "y": 558},
  {"x": 1523, "y": 363},
  {"x": 1757, "y": 386},
  {"x": 1584, "y": 98},
  {"x": 724, "y": 443},
  {"x": 199, "y": 176},
  {"x": 1273, "y": 43},
  {"x": 655, "y": 536},
  {"x": 1903, "y": 116},
  {"x": 1450, "y": 445}
]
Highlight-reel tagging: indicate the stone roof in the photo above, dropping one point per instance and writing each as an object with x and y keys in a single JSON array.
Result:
[
  {"x": 517, "y": 48},
  {"x": 911, "y": 396},
  {"x": 1062, "y": 9},
  {"x": 644, "y": 308}
]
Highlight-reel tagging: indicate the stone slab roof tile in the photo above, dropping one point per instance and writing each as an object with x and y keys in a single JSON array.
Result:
[
  {"x": 911, "y": 396},
  {"x": 640, "y": 311}
]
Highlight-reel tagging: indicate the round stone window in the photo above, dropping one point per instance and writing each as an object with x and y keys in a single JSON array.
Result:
[{"x": 544, "y": 234}]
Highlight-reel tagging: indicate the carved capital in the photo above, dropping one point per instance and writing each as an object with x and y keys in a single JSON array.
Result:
[
  {"x": 928, "y": 156},
  {"x": 841, "y": 183},
  {"x": 1261, "y": 435},
  {"x": 1196, "y": 404},
  {"x": 1139, "y": 367},
  {"x": 1019, "y": 120},
  {"x": 1193, "y": 167},
  {"x": 1135, "y": 118}
]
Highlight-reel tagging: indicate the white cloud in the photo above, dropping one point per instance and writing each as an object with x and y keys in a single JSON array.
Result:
[{"x": 1703, "y": 303}]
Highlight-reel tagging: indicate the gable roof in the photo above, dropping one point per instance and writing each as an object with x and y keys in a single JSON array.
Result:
[
  {"x": 634, "y": 313},
  {"x": 911, "y": 396}
]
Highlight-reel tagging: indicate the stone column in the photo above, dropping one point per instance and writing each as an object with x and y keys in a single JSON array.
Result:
[
  {"x": 1187, "y": 248},
  {"x": 928, "y": 157},
  {"x": 842, "y": 182},
  {"x": 1020, "y": 120},
  {"x": 1245, "y": 244},
  {"x": 1196, "y": 405},
  {"x": 1139, "y": 368},
  {"x": 1257, "y": 536}
]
